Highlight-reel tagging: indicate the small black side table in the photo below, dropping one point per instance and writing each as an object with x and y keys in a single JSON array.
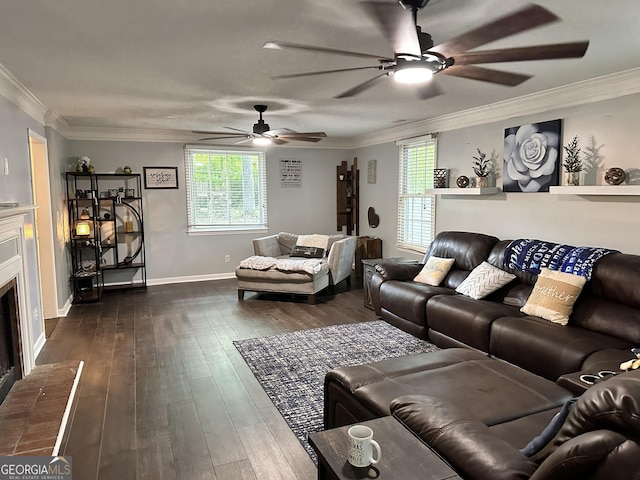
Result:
[
  {"x": 369, "y": 268},
  {"x": 404, "y": 456}
]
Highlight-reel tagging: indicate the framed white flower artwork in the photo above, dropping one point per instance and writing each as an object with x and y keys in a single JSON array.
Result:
[{"x": 532, "y": 157}]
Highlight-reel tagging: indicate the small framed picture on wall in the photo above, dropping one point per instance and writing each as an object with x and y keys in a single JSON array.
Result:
[{"x": 160, "y": 177}]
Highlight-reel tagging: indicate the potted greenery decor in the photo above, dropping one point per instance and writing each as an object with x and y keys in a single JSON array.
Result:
[
  {"x": 572, "y": 163},
  {"x": 482, "y": 169}
]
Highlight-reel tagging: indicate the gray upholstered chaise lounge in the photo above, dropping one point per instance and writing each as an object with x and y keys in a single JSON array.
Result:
[{"x": 335, "y": 267}]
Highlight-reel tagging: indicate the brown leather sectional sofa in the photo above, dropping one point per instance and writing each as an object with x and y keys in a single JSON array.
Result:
[
  {"x": 503, "y": 375},
  {"x": 606, "y": 315}
]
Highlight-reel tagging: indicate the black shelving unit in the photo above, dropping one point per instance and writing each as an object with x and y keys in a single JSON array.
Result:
[{"x": 111, "y": 253}]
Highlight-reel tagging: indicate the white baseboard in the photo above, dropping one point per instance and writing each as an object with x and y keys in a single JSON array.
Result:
[
  {"x": 191, "y": 278},
  {"x": 39, "y": 344},
  {"x": 64, "y": 311}
]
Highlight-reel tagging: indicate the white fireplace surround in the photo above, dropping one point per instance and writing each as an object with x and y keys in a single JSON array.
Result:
[{"x": 13, "y": 264}]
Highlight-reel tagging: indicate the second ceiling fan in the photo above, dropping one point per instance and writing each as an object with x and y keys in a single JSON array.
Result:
[
  {"x": 262, "y": 133},
  {"x": 416, "y": 59}
]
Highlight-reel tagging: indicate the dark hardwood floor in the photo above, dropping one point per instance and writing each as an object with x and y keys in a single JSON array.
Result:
[{"x": 165, "y": 394}]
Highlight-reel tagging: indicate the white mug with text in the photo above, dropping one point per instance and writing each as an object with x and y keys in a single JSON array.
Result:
[{"x": 361, "y": 446}]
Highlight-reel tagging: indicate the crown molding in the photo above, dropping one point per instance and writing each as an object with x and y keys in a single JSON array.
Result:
[
  {"x": 587, "y": 91},
  {"x": 20, "y": 96},
  {"x": 174, "y": 136},
  {"x": 57, "y": 122}
]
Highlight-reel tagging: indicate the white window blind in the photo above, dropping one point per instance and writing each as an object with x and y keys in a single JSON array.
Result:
[
  {"x": 416, "y": 207},
  {"x": 226, "y": 189}
]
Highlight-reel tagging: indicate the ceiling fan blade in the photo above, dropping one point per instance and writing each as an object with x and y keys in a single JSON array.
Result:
[
  {"x": 276, "y": 45},
  {"x": 221, "y": 138},
  {"x": 241, "y": 131},
  {"x": 202, "y": 132},
  {"x": 398, "y": 26},
  {"x": 303, "y": 134},
  {"x": 286, "y": 132},
  {"x": 244, "y": 140},
  {"x": 486, "y": 75},
  {"x": 279, "y": 132},
  {"x": 360, "y": 87},
  {"x": 538, "y": 52},
  {"x": 321, "y": 72},
  {"x": 429, "y": 90},
  {"x": 303, "y": 139},
  {"x": 524, "y": 19}
]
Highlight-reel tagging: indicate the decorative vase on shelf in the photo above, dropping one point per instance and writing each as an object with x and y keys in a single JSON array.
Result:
[
  {"x": 440, "y": 178},
  {"x": 126, "y": 170},
  {"x": 573, "y": 179},
  {"x": 482, "y": 182}
]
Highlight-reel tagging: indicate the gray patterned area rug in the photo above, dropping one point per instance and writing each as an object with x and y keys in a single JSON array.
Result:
[{"x": 291, "y": 367}]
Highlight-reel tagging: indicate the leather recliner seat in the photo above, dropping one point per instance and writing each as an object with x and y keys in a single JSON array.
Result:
[{"x": 598, "y": 440}]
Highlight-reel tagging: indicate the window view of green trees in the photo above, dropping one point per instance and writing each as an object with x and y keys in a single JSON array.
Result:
[{"x": 227, "y": 189}]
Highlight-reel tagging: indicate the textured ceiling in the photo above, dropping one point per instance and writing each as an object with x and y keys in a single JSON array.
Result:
[{"x": 199, "y": 64}]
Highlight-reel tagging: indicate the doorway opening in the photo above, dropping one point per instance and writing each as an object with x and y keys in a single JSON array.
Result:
[{"x": 43, "y": 224}]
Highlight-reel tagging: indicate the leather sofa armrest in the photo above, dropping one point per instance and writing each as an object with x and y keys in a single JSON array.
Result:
[
  {"x": 398, "y": 271},
  {"x": 267, "y": 246},
  {"x": 466, "y": 443},
  {"x": 601, "y": 454},
  {"x": 374, "y": 290}
]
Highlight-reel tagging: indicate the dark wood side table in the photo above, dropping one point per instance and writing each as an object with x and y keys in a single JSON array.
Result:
[
  {"x": 369, "y": 268},
  {"x": 367, "y": 247},
  {"x": 404, "y": 456}
]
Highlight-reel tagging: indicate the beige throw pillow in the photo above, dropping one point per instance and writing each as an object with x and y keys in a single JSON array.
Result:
[
  {"x": 483, "y": 280},
  {"x": 314, "y": 240},
  {"x": 434, "y": 271},
  {"x": 553, "y": 295}
]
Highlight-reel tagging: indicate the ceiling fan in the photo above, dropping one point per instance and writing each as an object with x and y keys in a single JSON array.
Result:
[
  {"x": 416, "y": 59},
  {"x": 262, "y": 133}
]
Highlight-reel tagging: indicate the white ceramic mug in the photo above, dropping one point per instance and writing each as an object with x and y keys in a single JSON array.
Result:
[{"x": 361, "y": 446}]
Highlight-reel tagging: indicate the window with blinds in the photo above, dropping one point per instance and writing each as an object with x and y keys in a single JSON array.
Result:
[
  {"x": 416, "y": 207},
  {"x": 226, "y": 189}
]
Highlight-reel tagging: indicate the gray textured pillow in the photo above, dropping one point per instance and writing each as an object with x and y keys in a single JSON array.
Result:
[{"x": 287, "y": 242}]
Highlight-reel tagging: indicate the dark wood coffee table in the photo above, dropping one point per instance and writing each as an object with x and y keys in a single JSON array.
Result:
[{"x": 404, "y": 456}]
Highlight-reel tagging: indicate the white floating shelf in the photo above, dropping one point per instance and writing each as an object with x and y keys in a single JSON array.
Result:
[
  {"x": 465, "y": 191},
  {"x": 596, "y": 190}
]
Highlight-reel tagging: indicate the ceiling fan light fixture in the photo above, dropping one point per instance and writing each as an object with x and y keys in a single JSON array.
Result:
[
  {"x": 409, "y": 73},
  {"x": 261, "y": 141}
]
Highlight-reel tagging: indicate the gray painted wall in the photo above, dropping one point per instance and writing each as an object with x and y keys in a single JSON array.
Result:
[
  {"x": 171, "y": 253},
  {"x": 16, "y": 187},
  {"x": 578, "y": 220}
]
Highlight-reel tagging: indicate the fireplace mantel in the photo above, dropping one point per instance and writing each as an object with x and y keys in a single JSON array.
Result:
[
  {"x": 6, "y": 212},
  {"x": 13, "y": 264}
]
